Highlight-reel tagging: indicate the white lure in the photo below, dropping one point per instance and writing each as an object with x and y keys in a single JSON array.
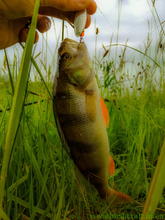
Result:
[{"x": 80, "y": 22}]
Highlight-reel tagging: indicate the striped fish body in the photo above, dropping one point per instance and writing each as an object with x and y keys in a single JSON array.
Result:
[{"x": 78, "y": 115}]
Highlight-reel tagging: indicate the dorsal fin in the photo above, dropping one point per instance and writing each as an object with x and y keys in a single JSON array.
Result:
[
  {"x": 105, "y": 112},
  {"x": 111, "y": 166}
]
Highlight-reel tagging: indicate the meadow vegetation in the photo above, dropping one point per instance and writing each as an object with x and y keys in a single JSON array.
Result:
[{"x": 40, "y": 181}]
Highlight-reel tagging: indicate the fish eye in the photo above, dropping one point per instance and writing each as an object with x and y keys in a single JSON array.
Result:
[{"x": 65, "y": 56}]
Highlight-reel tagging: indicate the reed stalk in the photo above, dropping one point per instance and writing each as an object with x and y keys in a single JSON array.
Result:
[
  {"x": 17, "y": 105},
  {"x": 156, "y": 188}
]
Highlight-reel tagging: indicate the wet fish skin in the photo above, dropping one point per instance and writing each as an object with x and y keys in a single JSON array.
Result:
[{"x": 79, "y": 118}]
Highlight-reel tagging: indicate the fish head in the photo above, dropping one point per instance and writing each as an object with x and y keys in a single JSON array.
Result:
[{"x": 75, "y": 66}]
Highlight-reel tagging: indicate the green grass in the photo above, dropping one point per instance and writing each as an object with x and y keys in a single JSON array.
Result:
[{"x": 39, "y": 179}]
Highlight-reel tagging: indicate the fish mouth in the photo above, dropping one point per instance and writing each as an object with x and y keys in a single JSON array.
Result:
[
  {"x": 69, "y": 45},
  {"x": 69, "y": 41}
]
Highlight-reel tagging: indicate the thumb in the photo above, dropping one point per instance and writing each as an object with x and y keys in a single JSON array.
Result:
[
  {"x": 66, "y": 5},
  {"x": 10, "y": 31}
]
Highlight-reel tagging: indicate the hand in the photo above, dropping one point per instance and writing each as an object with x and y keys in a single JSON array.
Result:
[{"x": 15, "y": 15}]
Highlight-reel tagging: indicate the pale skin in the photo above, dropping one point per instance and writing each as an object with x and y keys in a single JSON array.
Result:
[{"x": 15, "y": 16}]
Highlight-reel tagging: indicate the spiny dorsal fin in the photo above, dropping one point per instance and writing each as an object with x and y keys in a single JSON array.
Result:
[
  {"x": 90, "y": 105},
  {"x": 105, "y": 112}
]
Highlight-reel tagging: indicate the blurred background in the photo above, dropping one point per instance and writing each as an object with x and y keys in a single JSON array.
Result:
[{"x": 115, "y": 21}]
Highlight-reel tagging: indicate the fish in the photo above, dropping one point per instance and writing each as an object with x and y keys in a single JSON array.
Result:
[{"x": 82, "y": 117}]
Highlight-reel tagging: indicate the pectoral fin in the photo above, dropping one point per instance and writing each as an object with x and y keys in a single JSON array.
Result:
[
  {"x": 105, "y": 112},
  {"x": 111, "y": 166},
  {"x": 90, "y": 105}
]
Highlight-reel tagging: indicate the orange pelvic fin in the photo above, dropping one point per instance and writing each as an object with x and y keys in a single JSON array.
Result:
[
  {"x": 105, "y": 112},
  {"x": 114, "y": 197},
  {"x": 111, "y": 166}
]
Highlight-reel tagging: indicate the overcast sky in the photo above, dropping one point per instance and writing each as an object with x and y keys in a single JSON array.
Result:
[{"x": 133, "y": 24}]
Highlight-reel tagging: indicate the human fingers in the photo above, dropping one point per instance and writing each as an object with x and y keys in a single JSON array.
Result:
[
  {"x": 15, "y": 9},
  {"x": 65, "y": 15},
  {"x": 88, "y": 22},
  {"x": 10, "y": 31},
  {"x": 43, "y": 23},
  {"x": 69, "y": 8},
  {"x": 15, "y": 31},
  {"x": 24, "y": 33},
  {"x": 70, "y": 15},
  {"x": 67, "y": 5},
  {"x": 91, "y": 9}
]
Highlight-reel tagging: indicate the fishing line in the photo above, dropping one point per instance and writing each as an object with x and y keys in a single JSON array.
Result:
[
  {"x": 108, "y": 22},
  {"x": 131, "y": 54},
  {"x": 160, "y": 24},
  {"x": 113, "y": 30},
  {"x": 30, "y": 103}
]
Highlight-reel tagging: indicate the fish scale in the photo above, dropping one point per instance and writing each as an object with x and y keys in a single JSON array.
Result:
[{"x": 78, "y": 113}]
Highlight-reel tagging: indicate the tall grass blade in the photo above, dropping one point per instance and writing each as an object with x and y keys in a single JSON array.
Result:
[
  {"x": 139, "y": 52},
  {"x": 3, "y": 215},
  {"x": 42, "y": 78},
  {"x": 38, "y": 172},
  {"x": 18, "y": 182},
  {"x": 157, "y": 186},
  {"x": 39, "y": 72},
  {"x": 18, "y": 101},
  {"x": 9, "y": 71},
  {"x": 26, "y": 205}
]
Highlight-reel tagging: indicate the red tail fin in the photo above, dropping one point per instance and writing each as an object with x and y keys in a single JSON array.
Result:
[{"x": 114, "y": 197}]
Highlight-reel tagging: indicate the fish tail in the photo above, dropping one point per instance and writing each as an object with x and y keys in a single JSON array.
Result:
[{"x": 114, "y": 197}]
